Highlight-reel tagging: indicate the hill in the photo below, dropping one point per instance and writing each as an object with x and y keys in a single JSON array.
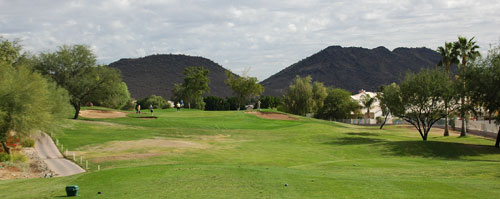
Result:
[
  {"x": 354, "y": 68},
  {"x": 157, "y": 74}
]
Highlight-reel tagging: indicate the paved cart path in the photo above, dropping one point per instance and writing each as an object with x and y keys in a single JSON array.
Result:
[{"x": 47, "y": 151}]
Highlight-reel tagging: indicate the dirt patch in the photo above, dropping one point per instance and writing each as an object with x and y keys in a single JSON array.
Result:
[
  {"x": 102, "y": 114},
  {"x": 273, "y": 116},
  {"x": 33, "y": 168},
  {"x": 118, "y": 146},
  {"x": 126, "y": 157}
]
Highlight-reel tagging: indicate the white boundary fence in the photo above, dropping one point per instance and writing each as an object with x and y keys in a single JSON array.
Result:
[{"x": 476, "y": 125}]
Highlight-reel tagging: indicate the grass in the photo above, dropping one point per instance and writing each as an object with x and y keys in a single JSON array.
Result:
[{"x": 229, "y": 154}]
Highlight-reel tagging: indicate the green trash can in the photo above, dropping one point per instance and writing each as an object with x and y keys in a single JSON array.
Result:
[{"x": 72, "y": 190}]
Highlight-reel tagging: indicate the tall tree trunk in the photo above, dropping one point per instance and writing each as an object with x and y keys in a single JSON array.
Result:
[
  {"x": 7, "y": 149},
  {"x": 463, "y": 132},
  {"x": 498, "y": 139},
  {"x": 446, "y": 131},
  {"x": 77, "y": 110},
  {"x": 385, "y": 120}
]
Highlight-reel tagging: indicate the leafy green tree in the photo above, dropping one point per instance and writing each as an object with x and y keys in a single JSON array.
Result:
[
  {"x": 484, "y": 85},
  {"x": 389, "y": 101},
  {"x": 10, "y": 51},
  {"x": 467, "y": 52},
  {"x": 298, "y": 98},
  {"x": 449, "y": 56},
  {"x": 118, "y": 98},
  {"x": 270, "y": 101},
  {"x": 368, "y": 101},
  {"x": 243, "y": 87},
  {"x": 194, "y": 86},
  {"x": 419, "y": 100},
  {"x": 338, "y": 104},
  {"x": 28, "y": 102},
  {"x": 74, "y": 68},
  {"x": 319, "y": 95}
]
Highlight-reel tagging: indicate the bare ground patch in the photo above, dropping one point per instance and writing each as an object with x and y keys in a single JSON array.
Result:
[
  {"x": 117, "y": 146},
  {"x": 272, "y": 116},
  {"x": 102, "y": 114},
  {"x": 126, "y": 157}
]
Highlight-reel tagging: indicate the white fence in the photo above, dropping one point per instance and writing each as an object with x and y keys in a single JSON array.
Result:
[{"x": 476, "y": 125}]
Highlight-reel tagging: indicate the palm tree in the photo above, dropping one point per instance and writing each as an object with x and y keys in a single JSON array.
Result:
[
  {"x": 467, "y": 51},
  {"x": 368, "y": 103},
  {"x": 448, "y": 57}
]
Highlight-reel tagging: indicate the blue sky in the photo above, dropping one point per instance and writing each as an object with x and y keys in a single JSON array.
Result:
[{"x": 261, "y": 36}]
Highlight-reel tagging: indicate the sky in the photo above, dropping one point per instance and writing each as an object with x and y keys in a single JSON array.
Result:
[{"x": 259, "y": 36}]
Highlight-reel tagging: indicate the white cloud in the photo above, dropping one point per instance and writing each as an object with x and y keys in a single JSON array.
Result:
[{"x": 266, "y": 35}]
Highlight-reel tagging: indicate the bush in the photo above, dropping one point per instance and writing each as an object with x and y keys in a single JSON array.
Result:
[
  {"x": 156, "y": 101},
  {"x": 233, "y": 103},
  {"x": 28, "y": 142},
  {"x": 270, "y": 102},
  {"x": 214, "y": 103},
  {"x": 4, "y": 157},
  {"x": 130, "y": 105},
  {"x": 380, "y": 120}
]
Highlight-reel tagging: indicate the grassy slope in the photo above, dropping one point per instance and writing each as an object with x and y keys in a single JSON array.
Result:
[{"x": 256, "y": 157}]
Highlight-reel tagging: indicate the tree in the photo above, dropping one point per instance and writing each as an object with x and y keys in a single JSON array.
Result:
[
  {"x": 28, "y": 102},
  {"x": 419, "y": 101},
  {"x": 243, "y": 87},
  {"x": 337, "y": 105},
  {"x": 368, "y": 101},
  {"x": 74, "y": 68},
  {"x": 484, "y": 85},
  {"x": 10, "y": 51},
  {"x": 117, "y": 99},
  {"x": 467, "y": 51},
  {"x": 319, "y": 95},
  {"x": 389, "y": 100},
  {"x": 448, "y": 57},
  {"x": 270, "y": 102},
  {"x": 194, "y": 86},
  {"x": 298, "y": 98}
]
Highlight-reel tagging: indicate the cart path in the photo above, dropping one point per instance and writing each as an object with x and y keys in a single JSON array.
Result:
[{"x": 48, "y": 152}]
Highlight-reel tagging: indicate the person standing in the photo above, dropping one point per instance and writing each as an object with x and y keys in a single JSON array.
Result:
[
  {"x": 258, "y": 105},
  {"x": 151, "y": 109},
  {"x": 178, "y": 106},
  {"x": 138, "y": 109}
]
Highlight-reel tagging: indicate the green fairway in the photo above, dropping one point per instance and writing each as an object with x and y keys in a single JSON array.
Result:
[{"x": 230, "y": 154}]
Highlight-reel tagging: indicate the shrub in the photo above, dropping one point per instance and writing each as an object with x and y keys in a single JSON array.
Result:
[
  {"x": 380, "y": 120},
  {"x": 156, "y": 101},
  {"x": 270, "y": 102},
  {"x": 28, "y": 142},
  {"x": 18, "y": 157},
  {"x": 130, "y": 105},
  {"x": 214, "y": 103},
  {"x": 4, "y": 157}
]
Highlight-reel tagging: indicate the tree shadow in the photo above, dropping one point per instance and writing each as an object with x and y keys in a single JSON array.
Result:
[
  {"x": 437, "y": 149},
  {"x": 363, "y": 134},
  {"x": 354, "y": 141}
]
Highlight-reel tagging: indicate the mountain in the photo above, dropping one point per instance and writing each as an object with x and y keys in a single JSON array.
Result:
[
  {"x": 157, "y": 74},
  {"x": 354, "y": 68}
]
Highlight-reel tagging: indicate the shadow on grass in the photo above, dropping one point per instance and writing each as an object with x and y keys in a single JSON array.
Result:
[
  {"x": 354, "y": 141},
  {"x": 363, "y": 134},
  {"x": 437, "y": 149}
]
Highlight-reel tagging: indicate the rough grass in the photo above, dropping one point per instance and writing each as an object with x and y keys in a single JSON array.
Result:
[{"x": 244, "y": 156}]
